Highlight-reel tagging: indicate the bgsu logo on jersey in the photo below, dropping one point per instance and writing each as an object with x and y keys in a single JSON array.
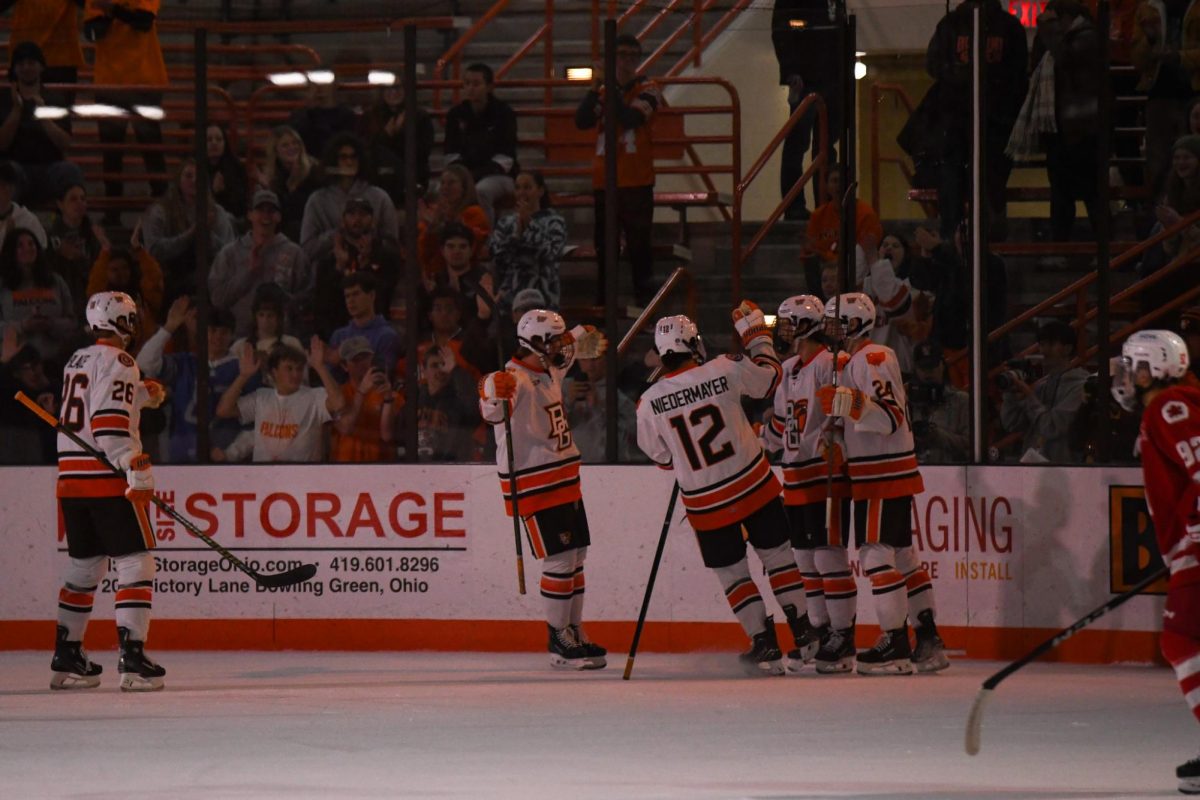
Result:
[{"x": 559, "y": 429}]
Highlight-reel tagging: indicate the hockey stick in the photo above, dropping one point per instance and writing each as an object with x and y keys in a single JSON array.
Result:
[
  {"x": 662, "y": 542},
  {"x": 292, "y": 576},
  {"x": 512, "y": 488},
  {"x": 975, "y": 717}
]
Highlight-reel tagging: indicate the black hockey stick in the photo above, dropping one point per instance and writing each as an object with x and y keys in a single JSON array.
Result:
[
  {"x": 292, "y": 576},
  {"x": 975, "y": 717},
  {"x": 512, "y": 488},
  {"x": 662, "y": 542}
]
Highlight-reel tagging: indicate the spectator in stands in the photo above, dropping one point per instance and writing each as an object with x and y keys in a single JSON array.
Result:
[
  {"x": 585, "y": 398},
  {"x": 527, "y": 243},
  {"x": 226, "y": 174},
  {"x": 456, "y": 201},
  {"x": 948, "y": 61},
  {"x": 358, "y": 246},
  {"x": 128, "y": 54},
  {"x": 359, "y": 293},
  {"x": 75, "y": 243},
  {"x": 1189, "y": 329},
  {"x": 941, "y": 412},
  {"x": 831, "y": 278},
  {"x": 387, "y": 132},
  {"x": 27, "y": 440},
  {"x": 13, "y": 215},
  {"x": 324, "y": 119},
  {"x": 53, "y": 25},
  {"x": 346, "y": 176},
  {"x": 178, "y": 373},
  {"x": 288, "y": 419},
  {"x": 369, "y": 414},
  {"x": 292, "y": 174},
  {"x": 261, "y": 256},
  {"x": 1066, "y": 55},
  {"x": 136, "y": 273},
  {"x": 269, "y": 315},
  {"x": 1043, "y": 409},
  {"x": 462, "y": 275},
  {"x": 36, "y": 145},
  {"x": 481, "y": 134},
  {"x": 904, "y": 312},
  {"x": 806, "y": 54},
  {"x": 820, "y": 239},
  {"x": 469, "y": 343},
  {"x": 169, "y": 231},
  {"x": 640, "y": 98},
  {"x": 448, "y": 419},
  {"x": 34, "y": 300},
  {"x": 1180, "y": 199},
  {"x": 1165, "y": 40}
]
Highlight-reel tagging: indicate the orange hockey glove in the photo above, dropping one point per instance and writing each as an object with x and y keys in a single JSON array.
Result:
[
  {"x": 749, "y": 322},
  {"x": 498, "y": 386},
  {"x": 141, "y": 480}
]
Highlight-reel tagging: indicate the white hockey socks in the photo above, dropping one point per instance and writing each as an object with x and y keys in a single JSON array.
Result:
[
  {"x": 887, "y": 584},
  {"x": 135, "y": 592},
  {"x": 841, "y": 592},
  {"x": 558, "y": 588},
  {"x": 743, "y": 597},
  {"x": 787, "y": 584},
  {"x": 814, "y": 587},
  {"x": 916, "y": 578},
  {"x": 77, "y": 593},
  {"x": 578, "y": 584}
]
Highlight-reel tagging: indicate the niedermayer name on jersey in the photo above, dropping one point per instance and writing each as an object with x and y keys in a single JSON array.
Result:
[{"x": 689, "y": 395}]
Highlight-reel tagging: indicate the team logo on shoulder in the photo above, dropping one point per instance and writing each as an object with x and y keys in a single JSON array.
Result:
[
  {"x": 734, "y": 356},
  {"x": 560, "y": 430},
  {"x": 125, "y": 360},
  {"x": 876, "y": 358},
  {"x": 1174, "y": 411}
]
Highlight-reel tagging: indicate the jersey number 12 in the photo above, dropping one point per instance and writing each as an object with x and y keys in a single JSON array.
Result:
[{"x": 702, "y": 448}]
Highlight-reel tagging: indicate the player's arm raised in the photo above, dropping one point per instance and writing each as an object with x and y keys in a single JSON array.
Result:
[{"x": 763, "y": 377}]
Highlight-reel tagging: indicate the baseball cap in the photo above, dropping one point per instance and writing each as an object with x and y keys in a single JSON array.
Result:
[
  {"x": 358, "y": 204},
  {"x": 354, "y": 346},
  {"x": 265, "y": 197},
  {"x": 1189, "y": 321},
  {"x": 526, "y": 299},
  {"x": 27, "y": 51},
  {"x": 927, "y": 355}
]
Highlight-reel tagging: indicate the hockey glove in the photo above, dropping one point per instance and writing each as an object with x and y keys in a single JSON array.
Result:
[
  {"x": 141, "y": 480},
  {"x": 842, "y": 401},
  {"x": 751, "y": 325},
  {"x": 498, "y": 386},
  {"x": 831, "y": 447},
  {"x": 591, "y": 343},
  {"x": 153, "y": 394}
]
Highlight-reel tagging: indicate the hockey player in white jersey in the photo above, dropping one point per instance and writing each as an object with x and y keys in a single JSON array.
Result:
[
  {"x": 546, "y": 462},
  {"x": 692, "y": 420},
  {"x": 105, "y": 515},
  {"x": 812, "y": 447},
  {"x": 883, "y": 480}
]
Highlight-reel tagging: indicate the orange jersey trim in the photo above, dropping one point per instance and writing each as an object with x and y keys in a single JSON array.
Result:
[
  {"x": 539, "y": 488},
  {"x": 808, "y": 482},
  {"x": 887, "y": 476},
  {"x": 730, "y": 503},
  {"x": 100, "y": 486}
]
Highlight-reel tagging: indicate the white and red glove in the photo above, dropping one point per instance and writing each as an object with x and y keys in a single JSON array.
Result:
[
  {"x": 154, "y": 393},
  {"x": 750, "y": 323},
  {"x": 591, "y": 343},
  {"x": 498, "y": 386},
  {"x": 141, "y": 480},
  {"x": 842, "y": 401}
]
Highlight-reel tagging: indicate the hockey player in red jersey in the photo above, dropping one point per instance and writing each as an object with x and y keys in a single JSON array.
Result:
[
  {"x": 1152, "y": 373},
  {"x": 692, "y": 421},
  {"x": 105, "y": 515},
  {"x": 883, "y": 480},
  {"x": 812, "y": 447},
  {"x": 546, "y": 461}
]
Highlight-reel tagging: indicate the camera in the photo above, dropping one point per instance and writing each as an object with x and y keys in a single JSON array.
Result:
[{"x": 1018, "y": 369}]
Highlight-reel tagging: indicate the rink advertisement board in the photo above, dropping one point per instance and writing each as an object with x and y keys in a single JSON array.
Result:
[{"x": 424, "y": 557}]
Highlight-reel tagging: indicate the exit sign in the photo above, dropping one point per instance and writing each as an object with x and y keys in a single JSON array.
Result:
[{"x": 1027, "y": 11}]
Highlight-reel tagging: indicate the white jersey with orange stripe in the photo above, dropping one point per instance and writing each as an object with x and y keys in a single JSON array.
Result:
[
  {"x": 797, "y": 427},
  {"x": 102, "y": 398},
  {"x": 879, "y": 445},
  {"x": 692, "y": 420},
  {"x": 895, "y": 302},
  {"x": 545, "y": 457}
]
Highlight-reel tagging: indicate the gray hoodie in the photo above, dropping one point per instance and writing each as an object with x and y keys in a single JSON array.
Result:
[
  {"x": 323, "y": 212},
  {"x": 233, "y": 279}
]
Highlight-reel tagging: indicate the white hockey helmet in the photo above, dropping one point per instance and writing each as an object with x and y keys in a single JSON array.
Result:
[
  {"x": 1163, "y": 356},
  {"x": 112, "y": 312},
  {"x": 852, "y": 315},
  {"x": 678, "y": 334},
  {"x": 545, "y": 333},
  {"x": 799, "y": 317}
]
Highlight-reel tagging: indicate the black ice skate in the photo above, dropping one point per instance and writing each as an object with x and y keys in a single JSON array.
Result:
[
  {"x": 763, "y": 657},
  {"x": 806, "y": 637},
  {"x": 595, "y": 653},
  {"x": 566, "y": 652},
  {"x": 138, "y": 672},
  {"x": 1189, "y": 776},
  {"x": 891, "y": 655},
  {"x": 837, "y": 652},
  {"x": 930, "y": 652},
  {"x": 70, "y": 665}
]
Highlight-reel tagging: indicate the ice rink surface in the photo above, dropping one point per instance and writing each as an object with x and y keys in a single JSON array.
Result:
[{"x": 480, "y": 725}]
